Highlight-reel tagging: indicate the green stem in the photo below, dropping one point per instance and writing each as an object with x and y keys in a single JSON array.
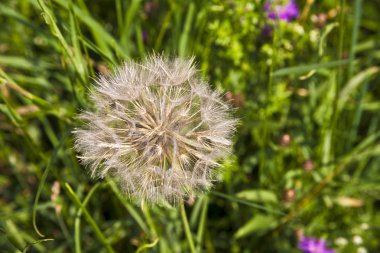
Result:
[
  {"x": 183, "y": 42},
  {"x": 354, "y": 38},
  {"x": 202, "y": 224},
  {"x": 43, "y": 180},
  {"x": 91, "y": 221},
  {"x": 149, "y": 220},
  {"x": 77, "y": 221},
  {"x": 187, "y": 228},
  {"x": 339, "y": 80},
  {"x": 119, "y": 15}
]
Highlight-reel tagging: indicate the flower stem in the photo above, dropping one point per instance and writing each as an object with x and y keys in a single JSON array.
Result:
[
  {"x": 187, "y": 228},
  {"x": 149, "y": 220}
]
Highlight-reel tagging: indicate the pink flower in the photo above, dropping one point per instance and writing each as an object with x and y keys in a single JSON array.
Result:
[
  {"x": 286, "y": 12},
  {"x": 312, "y": 245}
]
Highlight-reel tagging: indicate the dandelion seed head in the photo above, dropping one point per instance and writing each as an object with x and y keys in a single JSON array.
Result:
[{"x": 157, "y": 128}]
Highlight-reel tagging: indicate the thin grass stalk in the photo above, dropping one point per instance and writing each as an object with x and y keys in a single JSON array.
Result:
[
  {"x": 334, "y": 131},
  {"x": 267, "y": 104},
  {"x": 148, "y": 218},
  {"x": 88, "y": 217},
  {"x": 247, "y": 203},
  {"x": 140, "y": 40},
  {"x": 128, "y": 206},
  {"x": 119, "y": 15},
  {"x": 164, "y": 28},
  {"x": 342, "y": 4},
  {"x": 78, "y": 221},
  {"x": 66, "y": 233},
  {"x": 147, "y": 246},
  {"x": 130, "y": 17},
  {"x": 183, "y": 42},
  {"x": 42, "y": 183},
  {"x": 187, "y": 228},
  {"x": 354, "y": 38},
  {"x": 202, "y": 224},
  {"x": 363, "y": 90}
]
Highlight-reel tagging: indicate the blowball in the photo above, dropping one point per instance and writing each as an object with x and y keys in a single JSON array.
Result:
[{"x": 157, "y": 129}]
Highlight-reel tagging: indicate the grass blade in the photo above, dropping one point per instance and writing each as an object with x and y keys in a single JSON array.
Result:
[
  {"x": 244, "y": 202},
  {"x": 147, "y": 246},
  {"x": 183, "y": 41},
  {"x": 88, "y": 217},
  {"x": 78, "y": 216},
  {"x": 187, "y": 228},
  {"x": 128, "y": 206},
  {"x": 43, "y": 179},
  {"x": 306, "y": 68},
  {"x": 354, "y": 38},
  {"x": 202, "y": 224},
  {"x": 354, "y": 83},
  {"x": 130, "y": 15}
]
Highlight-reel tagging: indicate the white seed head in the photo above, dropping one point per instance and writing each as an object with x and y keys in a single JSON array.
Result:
[{"x": 158, "y": 129}]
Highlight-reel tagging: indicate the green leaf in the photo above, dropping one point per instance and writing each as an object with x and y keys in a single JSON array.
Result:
[
  {"x": 103, "y": 38},
  {"x": 354, "y": 84},
  {"x": 259, "y": 222},
  {"x": 13, "y": 235},
  {"x": 130, "y": 18},
  {"x": 306, "y": 68},
  {"x": 326, "y": 32},
  {"x": 36, "y": 243},
  {"x": 258, "y": 195},
  {"x": 147, "y": 246},
  {"x": 183, "y": 42},
  {"x": 248, "y": 203}
]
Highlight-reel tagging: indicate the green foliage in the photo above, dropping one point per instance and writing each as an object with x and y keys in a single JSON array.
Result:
[{"x": 306, "y": 157}]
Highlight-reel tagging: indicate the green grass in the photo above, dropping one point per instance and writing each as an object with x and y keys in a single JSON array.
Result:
[{"x": 306, "y": 154}]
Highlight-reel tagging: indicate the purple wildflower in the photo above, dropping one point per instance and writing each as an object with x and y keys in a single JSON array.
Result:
[
  {"x": 267, "y": 31},
  {"x": 144, "y": 35},
  {"x": 312, "y": 245},
  {"x": 286, "y": 12}
]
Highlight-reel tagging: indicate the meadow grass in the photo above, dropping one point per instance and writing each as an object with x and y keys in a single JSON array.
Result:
[{"x": 306, "y": 156}]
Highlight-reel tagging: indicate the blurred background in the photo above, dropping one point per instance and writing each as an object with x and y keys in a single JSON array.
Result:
[{"x": 303, "y": 76}]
